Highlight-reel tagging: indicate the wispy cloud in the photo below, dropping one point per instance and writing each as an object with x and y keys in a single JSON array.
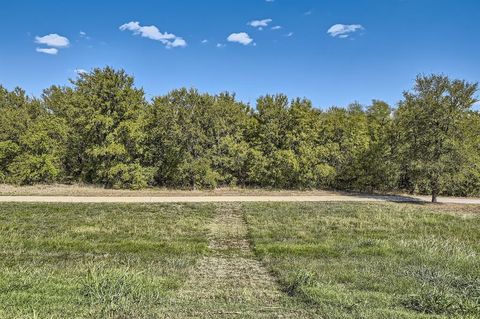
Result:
[
  {"x": 53, "y": 40},
  {"x": 344, "y": 30},
  {"x": 80, "y": 71},
  {"x": 309, "y": 12},
  {"x": 220, "y": 45},
  {"x": 289, "y": 34},
  {"x": 170, "y": 40},
  {"x": 260, "y": 24},
  {"x": 84, "y": 35},
  {"x": 241, "y": 37},
  {"x": 51, "y": 51},
  {"x": 277, "y": 27}
]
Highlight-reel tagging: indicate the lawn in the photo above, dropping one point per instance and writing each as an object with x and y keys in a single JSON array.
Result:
[
  {"x": 96, "y": 261},
  {"x": 250, "y": 260},
  {"x": 354, "y": 260}
]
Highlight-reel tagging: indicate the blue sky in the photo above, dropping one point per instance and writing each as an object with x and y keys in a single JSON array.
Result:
[{"x": 374, "y": 49}]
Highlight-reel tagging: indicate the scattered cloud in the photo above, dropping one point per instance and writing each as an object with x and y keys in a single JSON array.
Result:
[
  {"x": 344, "y": 30},
  {"x": 204, "y": 41},
  {"x": 178, "y": 42},
  {"x": 51, "y": 51},
  {"x": 220, "y": 45},
  {"x": 242, "y": 38},
  {"x": 309, "y": 12},
  {"x": 80, "y": 71},
  {"x": 53, "y": 40},
  {"x": 277, "y": 27},
  {"x": 260, "y": 24},
  {"x": 84, "y": 35},
  {"x": 170, "y": 40},
  {"x": 269, "y": 0},
  {"x": 289, "y": 34}
]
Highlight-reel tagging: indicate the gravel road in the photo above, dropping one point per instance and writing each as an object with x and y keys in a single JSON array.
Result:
[{"x": 225, "y": 198}]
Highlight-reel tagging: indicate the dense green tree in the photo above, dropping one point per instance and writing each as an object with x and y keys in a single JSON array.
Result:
[
  {"x": 303, "y": 137},
  {"x": 377, "y": 164},
  {"x": 430, "y": 119},
  {"x": 101, "y": 130},
  {"x": 288, "y": 135},
  {"x": 42, "y": 153},
  {"x": 192, "y": 138},
  {"x": 346, "y": 139},
  {"x": 466, "y": 181},
  {"x": 104, "y": 110},
  {"x": 32, "y": 141}
]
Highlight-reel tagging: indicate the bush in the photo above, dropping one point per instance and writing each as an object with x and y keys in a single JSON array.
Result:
[
  {"x": 29, "y": 169},
  {"x": 132, "y": 176}
]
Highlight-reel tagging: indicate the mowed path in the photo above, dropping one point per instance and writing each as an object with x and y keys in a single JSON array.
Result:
[
  {"x": 230, "y": 282},
  {"x": 233, "y": 198}
]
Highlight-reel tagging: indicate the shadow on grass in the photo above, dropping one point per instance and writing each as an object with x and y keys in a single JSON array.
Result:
[{"x": 387, "y": 198}]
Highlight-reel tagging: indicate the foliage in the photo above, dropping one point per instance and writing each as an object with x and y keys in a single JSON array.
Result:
[
  {"x": 101, "y": 130},
  {"x": 430, "y": 120},
  {"x": 104, "y": 111}
]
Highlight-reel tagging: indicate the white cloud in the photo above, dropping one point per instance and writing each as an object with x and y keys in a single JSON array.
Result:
[
  {"x": 260, "y": 24},
  {"x": 84, "y": 35},
  {"x": 277, "y": 27},
  {"x": 178, "y": 42},
  {"x": 51, "y": 51},
  {"x": 309, "y": 12},
  {"x": 80, "y": 71},
  {"x": 204, "y": 41},
  {"x": 53, "y": 40},
  {"x": 220, "y": 45},
  {"x": 170, "y": 40},
  {"x": 289, "y": 34},
  {"x": 344, "y": 30},
  {"x": 242, "y": 38},
  {"x": 269, "y": 0}
]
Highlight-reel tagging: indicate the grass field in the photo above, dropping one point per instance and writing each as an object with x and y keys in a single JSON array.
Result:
[
  {"x": 251, "y": 260},
  {"x": 96, "y": 261},
  {"x": 373, "y": 260}
]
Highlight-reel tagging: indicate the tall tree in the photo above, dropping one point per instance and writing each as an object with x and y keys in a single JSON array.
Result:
[
  {"x": 345, "y": 134},
  {"x": 430, "y": 120},
  {"x": 377, "y": 164},
  {"x": 32, "y": 140},
  {"x": 104, "y": 109},
  {"x": 197, "y": 140}
]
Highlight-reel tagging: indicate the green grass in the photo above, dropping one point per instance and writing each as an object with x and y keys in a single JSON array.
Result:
[
  {"x": 97, "y": 260},
  {"x": 352, "y": 260},
  {"x": 327, "y": 260}
]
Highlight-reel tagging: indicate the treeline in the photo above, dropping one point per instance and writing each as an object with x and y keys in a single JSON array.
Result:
[{"x": 101, "y": 130}]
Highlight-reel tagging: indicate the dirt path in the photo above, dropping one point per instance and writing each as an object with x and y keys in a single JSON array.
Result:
[
  {"x": 232, "y": 198},
  {"x": 231, "y": 283}
]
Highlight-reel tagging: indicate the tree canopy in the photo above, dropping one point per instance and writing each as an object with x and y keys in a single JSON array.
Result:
[{"x": 102, "y": 130}]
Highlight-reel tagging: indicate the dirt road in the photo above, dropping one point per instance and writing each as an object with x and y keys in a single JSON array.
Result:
[{"x": 229, "y": 198}]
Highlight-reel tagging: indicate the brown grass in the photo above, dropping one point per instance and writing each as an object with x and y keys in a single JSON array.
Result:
[{"x": 90, "y": 190}]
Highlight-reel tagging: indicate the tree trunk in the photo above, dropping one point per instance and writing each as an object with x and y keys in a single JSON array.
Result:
[
  {"x": 434, "y": 196},
  {"x": 434, "y": 184}
]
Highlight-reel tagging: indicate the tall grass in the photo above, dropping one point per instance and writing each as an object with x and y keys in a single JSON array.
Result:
[{"x": 354, "y": 260}]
